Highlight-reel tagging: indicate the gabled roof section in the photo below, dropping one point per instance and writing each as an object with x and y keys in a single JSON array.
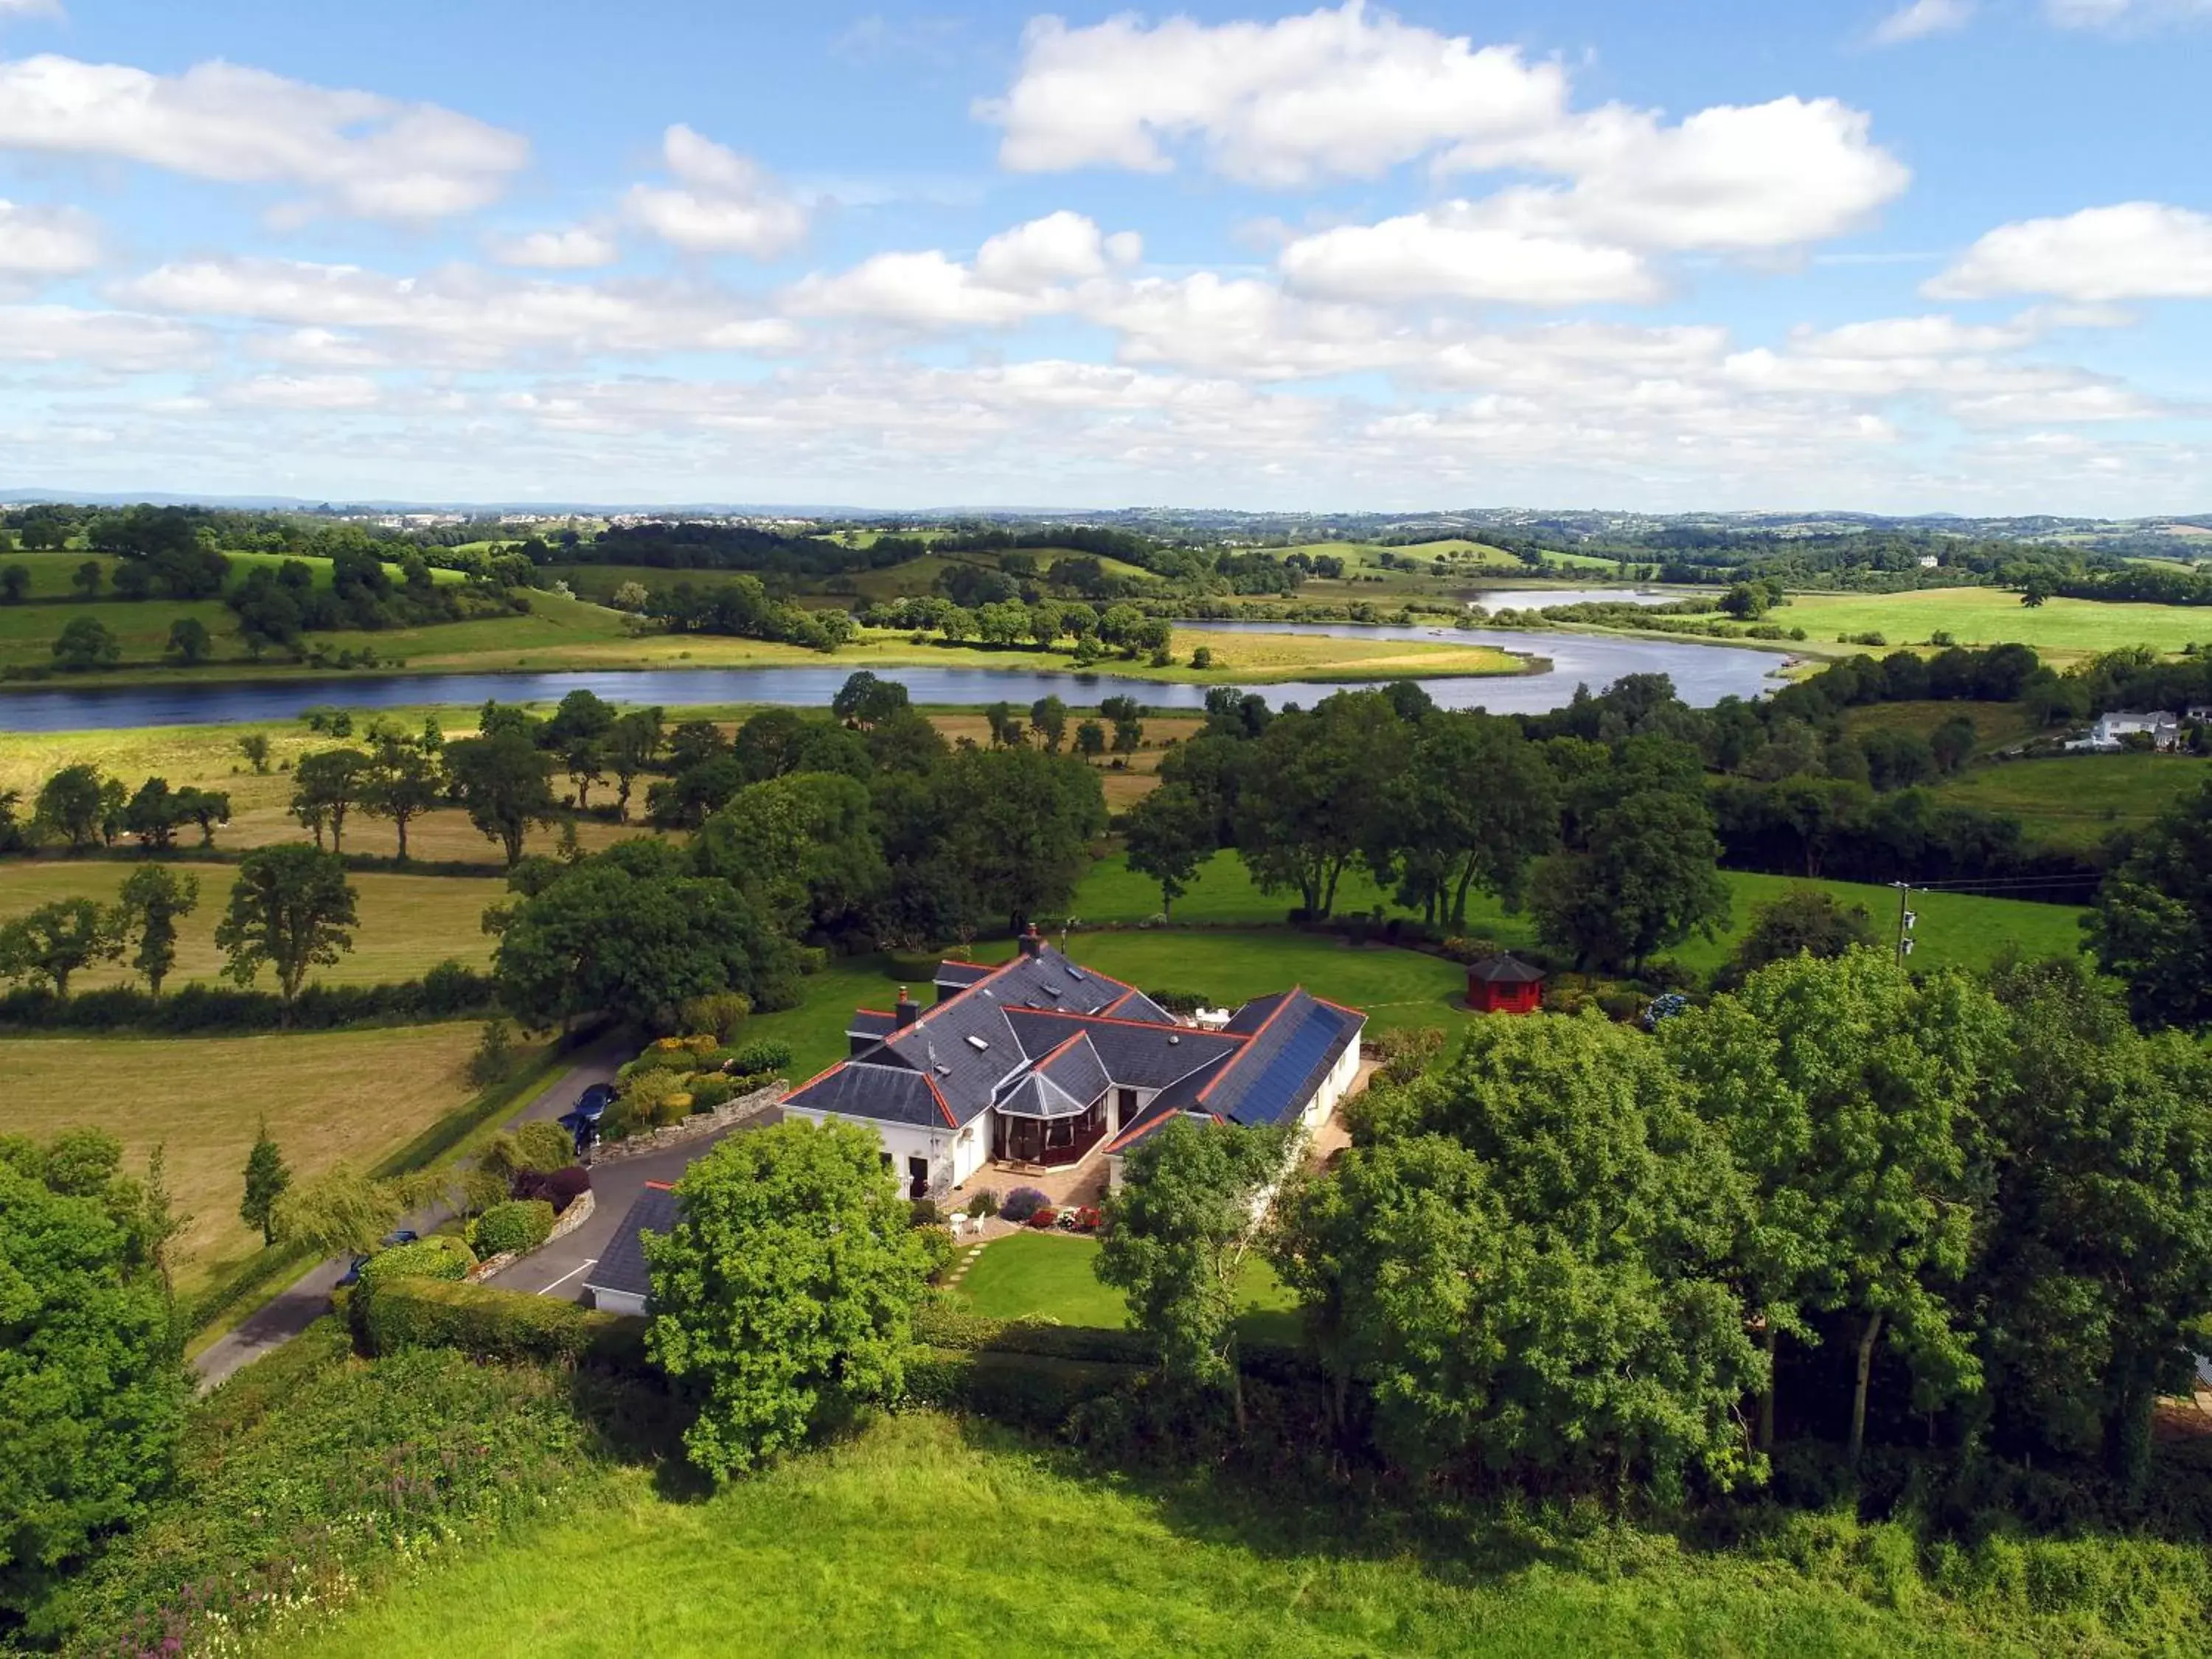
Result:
[
  {"x": 1138, "y": 1006},
  {"x": 891, "y": 1094},
  {"x": 960, "y": 974},
  {"x": 1075, "y": 1068},
  {"x": 1038, "y": 1095},
  {"x": 871, "y": 1023},
  {"x": 1505, "y": 968},
  {"x": 1293, "y": 1046},
  {"x": 621, "y": 1267}
]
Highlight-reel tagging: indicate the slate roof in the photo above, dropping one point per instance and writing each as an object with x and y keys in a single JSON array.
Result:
[
  {"x": 621, "y": 1265},
  {"x": 1505, "y": 968},
  {"x": 1041, "y": 1036},
  {"x": 871, "y": 1023}
]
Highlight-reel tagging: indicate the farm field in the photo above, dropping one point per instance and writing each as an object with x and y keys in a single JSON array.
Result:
[
  {"x": 1988, "y": 615},
  {"x": 51, "y": 572},
  {"x": 409, "y": 924},
  {"x": 328, "y": 1096},
  {"x": 1052, "y": 1277},
  {"x": 1996, "y": 724},
  {"x": 141, "y": 628},
  {"x": 1956, "y": 928},
  {"x": 901, "y": 1540},
  {"x": 2075, "y": 801}
]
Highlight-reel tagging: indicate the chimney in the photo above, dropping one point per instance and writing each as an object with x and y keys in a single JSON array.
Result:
[
  {"x": 906, "y": 1010},
  {"x": 1030, "y": 942}
]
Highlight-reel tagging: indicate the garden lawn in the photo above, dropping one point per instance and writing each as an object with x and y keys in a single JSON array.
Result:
[
  {"x": 1990, "y": 616},
  {"x": 327, "y": 1096},
  {"x": 926, "y": 1535},
  {"x": 1955, "y": 927},
  {"x": 409, "y": 924},
  {"x": 2075, "y": 801},
  {"x": 1053, "y": 1277}
]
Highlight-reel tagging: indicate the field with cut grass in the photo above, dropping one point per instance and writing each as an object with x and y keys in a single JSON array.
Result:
[
  {"x": 328, "y": 1096},
  {"x": 27, "y": 632},
  {"x": 52, "y": 574},
  {"x": 1996, "y": 724},
  {"x": 924, "y": 1535},
  {"x": 409, "y": 924},
  {"x": 1052, "y": 1277},
  {"x": 1988, "y": 615},
  {"x": 2075, "y": 801}
]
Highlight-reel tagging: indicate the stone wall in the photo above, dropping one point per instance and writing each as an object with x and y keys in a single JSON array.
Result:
[{"x": 694, "y": 1127}]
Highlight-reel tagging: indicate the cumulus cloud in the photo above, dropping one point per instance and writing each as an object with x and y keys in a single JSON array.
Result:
[
  {"x": 577, "y": 247},
  {"x": 1918, "y": 19},
  {"x": 1016, "y": 274},
  {"x": 103, "y": 340},
  {"x": 461, "y": 315},
  {"x": 721, "y": 202},
  {"x": 2134, "y": 251},
  {"x": 29, "y": 8},
  {"x": 1332, "y": 93},
  {"x": 42, "y": 242},
  {"x": 2124, "y": 14},
  {"x": 330, "y": 393},
  {"x": 1450, "y": 254},
  {"x": 354, "y": 152}
]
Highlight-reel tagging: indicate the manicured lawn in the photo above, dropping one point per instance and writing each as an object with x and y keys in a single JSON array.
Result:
[
  {"x": 1051, "y": 1276},
  {"x": 930, "y": 1536},
  {"x": 327, "y": 1095},
  {"x": 1990, "y": 616},
  {"x": 408, "y": 923},
  {"x": 2077, "y": 800}
]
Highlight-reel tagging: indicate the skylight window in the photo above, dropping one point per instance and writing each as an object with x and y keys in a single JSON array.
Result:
[{"x": 977, "y": 1043}]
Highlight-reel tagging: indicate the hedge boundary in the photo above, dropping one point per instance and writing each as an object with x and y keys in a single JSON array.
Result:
[
  {"x": 449, "y": 991},
  {"x": 489, "y": 1323}
]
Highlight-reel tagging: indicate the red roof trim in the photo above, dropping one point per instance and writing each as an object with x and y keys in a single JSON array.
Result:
[
  {"x": 1140, "y": 1024},
  {"x": 661, "y": 1185},
  {"x": 951, "y": 1121}
]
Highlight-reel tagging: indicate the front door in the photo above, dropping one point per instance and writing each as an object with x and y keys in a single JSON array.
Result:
[{"x": 917, "y": 1171}]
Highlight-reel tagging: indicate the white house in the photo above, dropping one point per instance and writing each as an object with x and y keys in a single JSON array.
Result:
[{"x": 2163, "y": 728}]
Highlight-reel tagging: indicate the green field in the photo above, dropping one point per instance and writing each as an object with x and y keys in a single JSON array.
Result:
[
  {"x": 1052, "y": 1277},
  {"x": 326, "y": 1096},
  {"x": 927, "y": 1535},
  {"x": 51, "y": 572},
  {"x": 408, "y": 925},
  {"x": 2075, "y": 801},
  {"x": 1990, "y": 616}
]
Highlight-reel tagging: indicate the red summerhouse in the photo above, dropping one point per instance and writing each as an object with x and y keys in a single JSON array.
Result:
[{"x": 1504, "y": 985}]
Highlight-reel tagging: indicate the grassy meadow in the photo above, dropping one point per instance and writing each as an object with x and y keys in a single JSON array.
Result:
[
  {"x": 327, "y": 1096},
  {"x": 408, "y": 925},
  {"x": 2061, "y": 629},
  {"x": 2075, "y": 801},
  {"x": 925, "y": 1535}
]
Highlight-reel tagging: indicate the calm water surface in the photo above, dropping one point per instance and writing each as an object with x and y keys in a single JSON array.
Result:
[{"x": 1703, "y": 674}]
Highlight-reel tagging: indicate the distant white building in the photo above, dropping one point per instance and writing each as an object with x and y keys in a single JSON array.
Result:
[
  {"x": 2163, "y": 728},
  {"x": 1930, "y": 562}
]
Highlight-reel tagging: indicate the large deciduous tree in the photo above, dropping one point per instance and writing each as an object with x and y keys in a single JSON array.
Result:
[
  {"x": 2151, "y": 928},
  {"x": 70, "y": 805},
  {"x": 1315, "y": 794},
  {"x": 90, "y": 1362},
  {"x": 803, "y": 847},
  {"x": 153, "y": 898},
  {"x": 267, "y": 1177},
  {"x": 506, "y": 784},
  {"x": 1179, "y": 1230},
  {"x": 290, "y": 909},
  {"x": 784, "y": 1295},
  {"x": 1169, "y": 833},
  {"x": 1646, "y": 876},
  {"x": 403, "y": 782},
  {"x": 51, "y": 944},
  {"x": 324, "y": 788},
  {"x": 1847, "y": 1091},
  {"x": 1473, "y": 806},
  {"x": 1802, "y": 921}
]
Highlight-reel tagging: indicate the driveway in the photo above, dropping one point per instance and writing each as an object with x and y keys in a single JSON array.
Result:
[
  {"x": 559, "y": 1269},
  {"x": 308, "y": 1299}
]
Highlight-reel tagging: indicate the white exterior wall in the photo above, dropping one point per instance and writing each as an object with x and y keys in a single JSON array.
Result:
[
  {"x": 616, "y": 1302},
  {"x": 953, "y": 1154}
]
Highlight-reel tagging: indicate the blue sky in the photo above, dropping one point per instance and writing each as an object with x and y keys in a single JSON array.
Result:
[{"x": 1914, "y": 255}]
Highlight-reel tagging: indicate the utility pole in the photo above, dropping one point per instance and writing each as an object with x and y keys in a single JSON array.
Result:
[{"x": 1906, "y": 919}]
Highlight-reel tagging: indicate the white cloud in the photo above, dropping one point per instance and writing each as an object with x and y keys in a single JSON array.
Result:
[
  {"x": 461, "y": 315},
  {"x": 1331, "y": 92},
  {"x": 356, "y": 152},
  {"x": 1918, "y": 19},
  {"x": 2137, "y": 250},
  {"x": 1016, "y": 274},
  {"x": 329, "y": 394},
  {"x": 1449, "y": 254},
  {"x": 106, "y": 340},
  {"x": 2124, "y": 14},
  {"x": 1247, "y": 328},
  {"x": 723, "y": 201},
  {"x": 577, "y": 247},
  {"x": 30, "y": 9},
  {"x": 36, "y": 241},
  {"x": 319, "y": 349}
]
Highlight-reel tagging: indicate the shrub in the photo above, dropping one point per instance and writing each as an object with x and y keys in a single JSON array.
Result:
[
  {"x": 765, "y": 1055},
  {"x": 985, "y": 1203},
  {"x": 1088, "y": 1219},
  {"x": 1021, "y": 1204},
  {"x": 937, "y": 1247},
  {"x": 1043, "y": 1219},
  {"x": 542, "y": 1147},
  {"x": 517, "y": 1225},
  {"x": 1027, "y": 1390},
  {"x": 710, "y": 1089},
  {"x": 648, "y": 1100},
  {"x": 1184, "y": 1002},
  {"x": 721, "y": 1013},
  {"x": 501, "y": 1325},
  {"x": 450, "y": 988},
  {"x": 440, "y": 1257},
  {"x": 942, "y": 1323},
  {"x": 924, "y": 1213},
  {"x": 912, "y": 968}
]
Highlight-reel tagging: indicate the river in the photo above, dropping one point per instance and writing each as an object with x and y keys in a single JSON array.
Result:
[
  {"x": 1551, "y": 598},
  {"x": 1703, "y": 674}
]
